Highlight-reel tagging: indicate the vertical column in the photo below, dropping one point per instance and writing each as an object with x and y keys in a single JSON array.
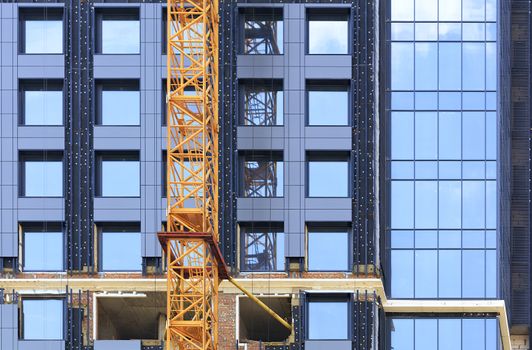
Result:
[
  {"x": 150, "y": 127},
  {"x": 8, "y": 326},
  {"x": 79, "y": 125},
  {"x": 8, "y": 132},
  {"x": 294, "y": 129}
]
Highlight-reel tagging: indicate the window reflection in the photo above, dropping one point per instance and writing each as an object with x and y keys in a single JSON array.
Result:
[
  {"x": 43, "y": 178},
  {"x": 328, "y": 37},
  {"x": 42, "y": 319},
  {"x": 328, "y": 105},
  {"x": 263, "y": 32},
  {"x": 262, "y": 247},
  {"x": 262, "y": 175},
  {"x": 327, "y": 318},
  {"x": 442, "y": 148},
  {"x": 120, "y": 248},
  {"x": 43, "y": 36},
  {"x": 328, "y": 249},
  {"x": 111, "y": 25},
  {"x": 118, "y": 103},
  {"x": 262, "y": 103},
  {"x": 322, "y": 172},
  {"x": 444, "y": 333},
  {"x": 43, "y": 248},
  {"x": 119, "y": 175}
]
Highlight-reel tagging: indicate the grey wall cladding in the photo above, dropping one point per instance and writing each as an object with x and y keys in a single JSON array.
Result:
[{"x": 8, "y": 326}]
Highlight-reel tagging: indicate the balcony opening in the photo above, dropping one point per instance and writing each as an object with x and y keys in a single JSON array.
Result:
[
  {"x": 131, "y": 316},
  {"x": 255, "y": 324}
]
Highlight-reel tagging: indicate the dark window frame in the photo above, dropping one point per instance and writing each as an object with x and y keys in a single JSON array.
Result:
[
  {"x": 42, "y": 227},
  {"x": 273, "y": 85},
  {"x": 273, "y": 13},
  {"x": 267, "y": 227},
  {"x": 102, "y": 156},
  {"x": 43, "y": 298},
  {"x": 41, "y": 156},
  {"x": 41, "y": 14},
  {"x": 329, "y": 156},
  {"x": 328, "y": 298},
  {"x": 329, "y": 85},
  {"x": 340, "y": 14},
  {"x": 250, "y": 156},
  {"x": 113, "y": 13},
  {"x": 114, "y": 85},
  {"x": 38, "y": 85},
  {"x": 132, "y": 227},
  {"x": 325, "y": 227}
]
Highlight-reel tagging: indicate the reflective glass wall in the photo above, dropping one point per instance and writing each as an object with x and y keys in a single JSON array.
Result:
[{"x": 442, "y": 149}]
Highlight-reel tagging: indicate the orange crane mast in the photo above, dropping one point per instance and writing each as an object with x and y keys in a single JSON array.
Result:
[{"x": 194, "y": 263}]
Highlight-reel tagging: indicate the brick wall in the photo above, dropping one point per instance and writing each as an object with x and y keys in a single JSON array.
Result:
[{"x": 520, "y": 342}]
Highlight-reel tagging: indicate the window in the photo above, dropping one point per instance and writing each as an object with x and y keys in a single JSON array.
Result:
[
  {"x": 41, "y": 102},
  {"x": 328, "y": 317},
  {"x": 118, "y": 102},
  {"x": 328, "y": 174},
  {"x": 118, "y": 174},
  {"x": 263, "y": 31},
  {"x": 262, "y": 103},
  {"x": 43, "y": 247},
  {"x": 42, "y": 319},
  {"x": 120, "y": 247},
  {"x": 41, "y": 174},
  {"x": 41, "y": 31},
  {"x": 328, "y": 103},
  {"x": 262, "y": 175},
  {"x": 262, "y": 247},
  {"x": 111, "y": 26},
  {"x": 328, "y": 31},
  {"x": 444, "y": 333},
  {"x": 328, "y": 247}
]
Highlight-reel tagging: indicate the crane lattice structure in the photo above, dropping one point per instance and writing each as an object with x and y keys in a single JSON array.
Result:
[{"x": 194, "y": 263}]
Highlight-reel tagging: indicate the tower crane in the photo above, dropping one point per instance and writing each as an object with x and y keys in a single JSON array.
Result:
[{"x": 195, "y": 265}]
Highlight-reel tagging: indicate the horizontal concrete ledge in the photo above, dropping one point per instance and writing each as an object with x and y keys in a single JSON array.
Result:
[{"x": 496, "y": 307}]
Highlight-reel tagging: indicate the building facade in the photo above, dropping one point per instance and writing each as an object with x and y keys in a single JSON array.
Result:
[{"x": 374, "y": 174}]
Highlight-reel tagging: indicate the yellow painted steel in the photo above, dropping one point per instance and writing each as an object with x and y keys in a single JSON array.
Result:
[{"x": 192, "y": 175}]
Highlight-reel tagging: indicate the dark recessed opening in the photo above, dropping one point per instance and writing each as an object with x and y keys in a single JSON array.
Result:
[{"x": 258, "y": 325}]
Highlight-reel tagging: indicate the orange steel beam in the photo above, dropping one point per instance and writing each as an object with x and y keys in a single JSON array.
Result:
[{"x": 194, "y": 263}]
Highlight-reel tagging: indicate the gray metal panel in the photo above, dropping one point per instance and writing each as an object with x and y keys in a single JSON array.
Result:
[
  {"x": 8, "y": 338},
  {"x": 328, "y": 345},
  {"x": 260, "y": 203},
  {"x": 41, "y": 345},
  {"x": 42, "y": 131},
  {"x": 116, "y": 132},
  {"x": 8, "y": 316},
  {"x": 41, "y": 72},
  {"x": 117, "y": 345},
  {"x": 38, "y": 143},
  {"x": 41, "y": 202},
  {"x": 41, "y": 60}
]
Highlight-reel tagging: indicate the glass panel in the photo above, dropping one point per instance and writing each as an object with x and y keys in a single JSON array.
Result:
[
  {"x": 426, "y": 268},
  {"x": 263, "y": 250},
  {"x": 450, "y": 204},
  {"x": 120, "y": 178},
  {"x": 263, "y": 106},
  {"x": 449, "y": 274},
  {"x": 473, "y": 10},
  {"x": 473, "y": 334},
  {"x": 450, "y": 66},
  {"x": 402, "y": 265},
  {"x": 426, "y": 204},
  {"x": 43, "y": 37},
  {"x": 402, "y": 239},
  {"x": 402, "y": 334},
  {"x": 120, "y": 108},
  {"x": 402, "y": 61},
  {"x": 115, "y": 42},
  {"x": 402, "y": 10},
  {"x": 328, "y": 251},
  {"x": 473, "y": 202},
  {"x": 121, "y": 251},
  {"x": 328, "y": 107},
  {"x": 328, "y": 37},
  {"x": 322, "y": 174},
  {"x": 426, "y": 331},
  {"x": 402, "y": 31},
  {"x": 474, "y": 69},
  {"x": 473, "y": 274},
  {"x": 426, "y": 69},
  {"x": 263, "y": 178},
  {"x": 43, "y": 251},
  {"x": 263, "y": 36},
  {"x": 450, "y": 143},
  {"x": 450, "y": 334},
  {"x": 402, "y": 130},
  {"x": 43, "y": 107},
  {"x": 473, "y": 135},
  {"x": 402, "y": 198},
  {"x": 43, "y": 319},
  {"x": 43, "y": 179},
  {"x": 450, "y": 10},
  {"x": 328, "y": 320},
  {"x": 426, "y": 136}
]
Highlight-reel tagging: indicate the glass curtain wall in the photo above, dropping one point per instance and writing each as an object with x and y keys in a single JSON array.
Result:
[{"x": 442, "y": 150}]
